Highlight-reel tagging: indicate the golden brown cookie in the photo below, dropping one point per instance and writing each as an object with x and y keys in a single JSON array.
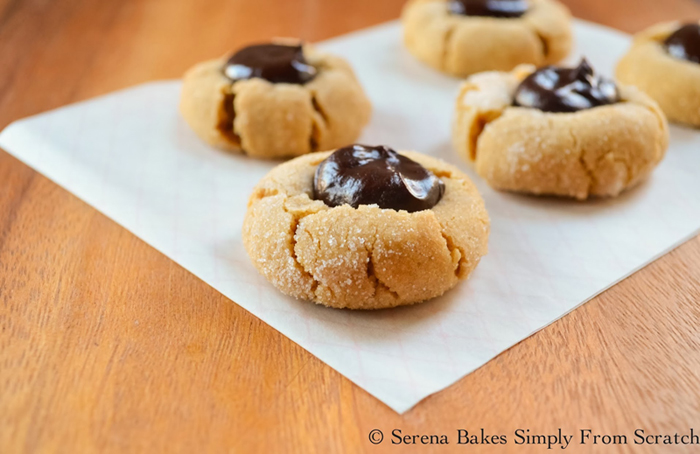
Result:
[
  {"x": 276, "y": 120},
  {"x": 365, "y": 257},
  {"x": 593, "y": 152},
  {"x": 462, "y": 45},
  {"x": 672, "y": 82}
]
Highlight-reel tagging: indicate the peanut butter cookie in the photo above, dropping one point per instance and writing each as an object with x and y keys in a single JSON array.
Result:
[
  {"x": 558, "y": 131},
  {"x": 365, "y": 227},
  {"x": 664, "y": 62},
  {"x": 275, "y": 101},
  {"x": 463, "y": 37}
]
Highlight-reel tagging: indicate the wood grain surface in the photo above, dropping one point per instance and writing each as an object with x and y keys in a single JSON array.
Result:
[{"x": 107, "y": 346}]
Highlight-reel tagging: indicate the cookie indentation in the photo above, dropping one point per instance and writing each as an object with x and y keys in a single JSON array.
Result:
[
  {"x": 446, "y": 47},
  {"x": 379, "y": 286},
  {"x": 545, "y": 44},
  {"x": 227, "y": 115},
  {"x": 457, "y": 254},
  {"x": 319, "y": 122}
]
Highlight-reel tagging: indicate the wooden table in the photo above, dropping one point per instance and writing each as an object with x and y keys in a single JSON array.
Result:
[{"x": 108, "y": 346}]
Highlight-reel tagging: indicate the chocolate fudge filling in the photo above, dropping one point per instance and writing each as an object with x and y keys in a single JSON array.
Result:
[
  {"x": 489, "y": 8},
  {"x": 275, "y": 63},
  {"x": 684, "y": 43},
  {"x": 553, "y": 89},
  {"x": 363, "y": 175}
]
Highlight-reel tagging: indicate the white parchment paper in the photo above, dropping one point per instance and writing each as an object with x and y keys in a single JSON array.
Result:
[{"x": 130, "y": 155}]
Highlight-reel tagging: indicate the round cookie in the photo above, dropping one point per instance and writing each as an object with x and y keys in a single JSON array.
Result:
[
  {"x": 267, "y": 119},
  {"x": 596, "y": 151},
  {"x": 672, "y": 82},
  {"x": 461, "y": 45},
  {"x": 366, "y": 257}
]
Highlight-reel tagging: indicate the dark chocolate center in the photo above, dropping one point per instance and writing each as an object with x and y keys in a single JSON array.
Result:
[
  {"x": 490, "y": 8},
  {"x": 362, "y": 175},
  {"x": 684, "y": 43},
  {"x": 553, "y": 89},
  {"x": 275, "y": 63}
]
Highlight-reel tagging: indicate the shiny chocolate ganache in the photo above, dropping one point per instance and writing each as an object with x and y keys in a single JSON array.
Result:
[
  {"x": 488, "y": 8},
  {"x": 277, "y": 63},
  {"x": 363, "y": 175},
  {"x": 555, "y": 89},
  {"x": 684, "y": 43}
]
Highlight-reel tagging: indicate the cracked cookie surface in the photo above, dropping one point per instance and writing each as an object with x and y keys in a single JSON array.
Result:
[
  {"x": 594, "y": 152},
  {"x": 275, "y": 120},
  {"x": 670, "y": 81},
  {"x": 463, "y": 45},
  {"x": 365, "y": 257}
]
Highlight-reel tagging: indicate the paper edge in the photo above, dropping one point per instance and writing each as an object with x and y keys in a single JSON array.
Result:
[{"x": 652, "y": 260}]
